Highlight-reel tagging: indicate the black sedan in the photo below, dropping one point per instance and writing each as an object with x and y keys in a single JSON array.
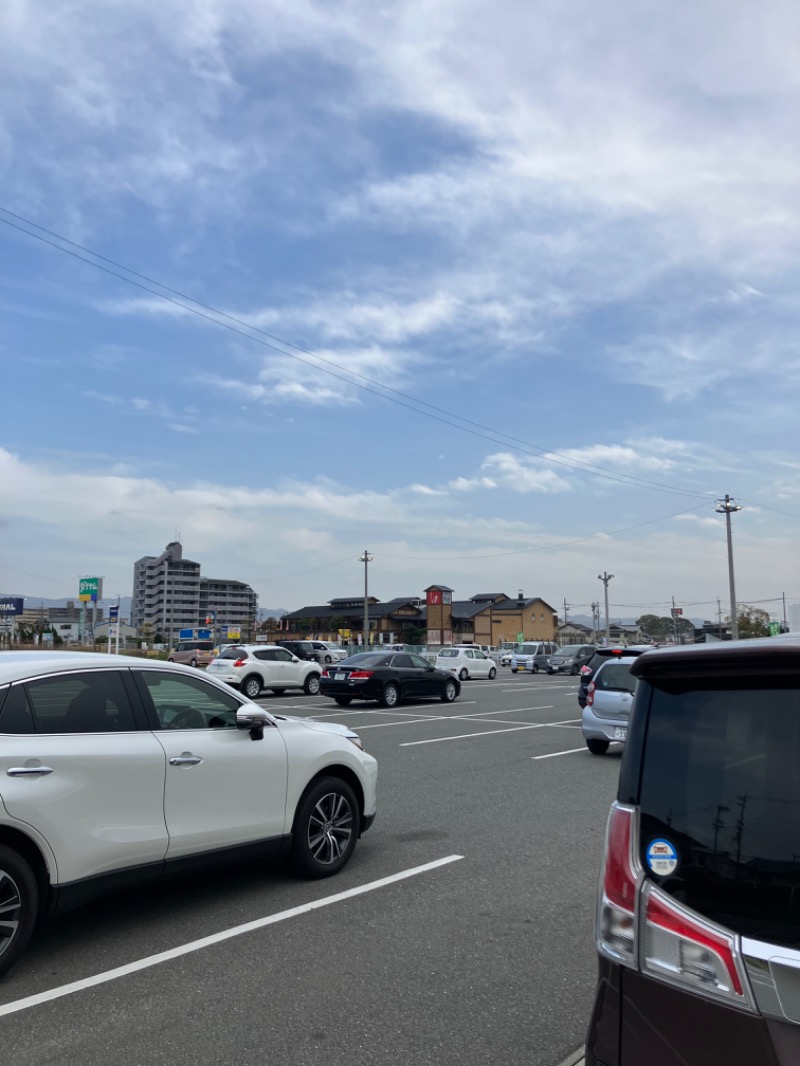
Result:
[{"x": 387, "y": 678}]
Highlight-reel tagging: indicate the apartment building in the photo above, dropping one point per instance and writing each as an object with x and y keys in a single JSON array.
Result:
[{"x": 170, "y": 594}]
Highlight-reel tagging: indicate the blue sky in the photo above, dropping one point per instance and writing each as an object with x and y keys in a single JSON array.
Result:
[{"x": 570, "y": 228}]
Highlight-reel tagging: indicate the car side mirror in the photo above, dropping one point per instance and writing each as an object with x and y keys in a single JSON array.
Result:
[
  {"x": 295, "y": 659},
  {"x": 253, "y": 719}
]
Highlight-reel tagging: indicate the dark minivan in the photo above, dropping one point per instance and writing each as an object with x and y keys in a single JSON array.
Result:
[{"x": 698, "y": 920}]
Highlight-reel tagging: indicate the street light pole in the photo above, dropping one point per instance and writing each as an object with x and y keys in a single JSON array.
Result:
[
  {"x": 728, "y": 507},
  {"x": 366, "y": 559},
  {"x": 605, "y": 578}
]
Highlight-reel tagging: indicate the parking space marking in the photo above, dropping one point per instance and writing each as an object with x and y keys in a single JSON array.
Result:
[
  {"x": 554, "y": 754},
  {"x": 478, "y": 717},
  {"x": 217, "y": 938},
  {"x": 486, "y": 733}
]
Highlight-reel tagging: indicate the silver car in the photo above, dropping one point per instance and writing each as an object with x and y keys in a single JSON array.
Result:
[
  {"x": 608, "y": 704},
  {"x": 570, "y": 659}
]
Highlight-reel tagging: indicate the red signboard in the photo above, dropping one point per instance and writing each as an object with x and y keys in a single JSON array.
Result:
[{"x": 434, "y": 597}]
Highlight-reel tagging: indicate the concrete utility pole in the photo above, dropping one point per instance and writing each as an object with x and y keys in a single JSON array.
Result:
[
  {"x": 566, "y": 610},
  {"x": 605, "y": 578},
  {"x": 728, "y": 507},
  {"x": 595, "y": 620},
  {"x": 366, "y": 559}
]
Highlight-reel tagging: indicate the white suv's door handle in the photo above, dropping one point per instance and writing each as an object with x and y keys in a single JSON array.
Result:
[
  {"x": 185, "y": 760},
  {"x": 28, "y": 771}
]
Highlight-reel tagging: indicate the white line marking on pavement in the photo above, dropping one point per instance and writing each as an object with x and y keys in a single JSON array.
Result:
[
  {"x": 553, "y": 754},
  {"x": 217, "y": 938},
  {"x": 486, "y": 733},
  {"x": 456, "y": 718}
]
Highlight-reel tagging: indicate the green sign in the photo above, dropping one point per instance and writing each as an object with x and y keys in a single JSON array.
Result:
[
  {"x": 774, "y": 629},
  {"x": 520, "y": 638},
  {"x": 90, "y": 588}
]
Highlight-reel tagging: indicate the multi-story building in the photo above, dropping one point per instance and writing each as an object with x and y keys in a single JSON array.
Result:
[{"x": 170, "y": 594}]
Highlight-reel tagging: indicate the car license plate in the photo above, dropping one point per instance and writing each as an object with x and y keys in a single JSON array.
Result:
[
  {"x": 340, "y": 676},
  {"x": 620, "y": 734}
]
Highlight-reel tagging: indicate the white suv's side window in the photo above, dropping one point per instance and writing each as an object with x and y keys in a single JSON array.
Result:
[
  {"x": 86, "y": 702},
  {"x": 282, "y": 655},
  {"x": 188, "y": 703}
]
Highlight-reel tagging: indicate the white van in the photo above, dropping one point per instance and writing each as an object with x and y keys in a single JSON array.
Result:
[{"x": 532, "y": 656}]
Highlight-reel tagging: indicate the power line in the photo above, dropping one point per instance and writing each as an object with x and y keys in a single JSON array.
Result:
[{"x": 388, "y": 393}]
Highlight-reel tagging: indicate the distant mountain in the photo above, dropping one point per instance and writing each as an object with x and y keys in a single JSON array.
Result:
[{"x": 271, "y": 612}]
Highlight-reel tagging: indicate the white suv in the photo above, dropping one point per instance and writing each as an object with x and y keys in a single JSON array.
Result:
[
  {"x": 117, "y": 772},
  {"x": 253, "y": 667}
]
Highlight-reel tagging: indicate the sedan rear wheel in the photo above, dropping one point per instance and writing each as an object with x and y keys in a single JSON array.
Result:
[
  {"x": 325, "y": 828},
  {"x": 251, "y": 686},
  {"x": 449, "y": 692},
  {"x": 19, "y": 900},
  {"x": 391, "y": 695}
]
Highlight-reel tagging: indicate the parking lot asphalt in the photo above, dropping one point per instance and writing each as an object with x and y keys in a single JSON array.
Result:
[{"x": 460, "y": 932}]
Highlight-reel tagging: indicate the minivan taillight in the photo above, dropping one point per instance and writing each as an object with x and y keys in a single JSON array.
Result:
[
  {"x": 684, "y": 949},
  {"x": 616, "y": 911},
  {"x": 640, "y": 926},
  {"x": 590, "y": 694}
]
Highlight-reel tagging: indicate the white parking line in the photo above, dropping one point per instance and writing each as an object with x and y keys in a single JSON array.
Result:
[
  {"x": 487, "y": 733},
  {"x": 554, "y": 754},
  {"x": 217, "y": 938},
  {"x": 478, "y": 717}
]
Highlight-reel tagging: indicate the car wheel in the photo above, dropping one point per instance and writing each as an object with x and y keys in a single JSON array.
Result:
[
  {"x": 513, "y": 669},
  {"x": 170, "y": 660},
  {"x": 343, "y": 701},
  {"x": 328, "y": 659},
  {"x": 391, "y": 695},
  {"x": 311, "y": 685},
  {"x": 19, "y": 903},
  {"x": 597, "y": 747},
  {"x": 449, "y": 692},
  {"x": 575, "y": 670},
  {"x": 325, "y": 828},
  {"x": 193, "y": 662},
  {"x": 463, "y": 674},
  {"x": 534, "y": 669},
  {"x": 251, "y": 686},
  {"x": 492, "y": 674}
]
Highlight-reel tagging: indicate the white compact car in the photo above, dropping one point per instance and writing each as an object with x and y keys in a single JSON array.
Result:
[
  {"x": 253, "y": 667},
  {"x": 117, "y": 772},
  {"x": 466, "y": 663}
]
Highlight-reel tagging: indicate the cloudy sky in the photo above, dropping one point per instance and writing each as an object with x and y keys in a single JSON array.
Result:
[{"x": 506, "y": 293}]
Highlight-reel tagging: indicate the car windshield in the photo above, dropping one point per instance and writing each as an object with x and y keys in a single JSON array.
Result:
[
  {"x": 527, "y": 649},
  {"x": 366, "y": 658},
  {"x": 615, "y": 677},
  {"x": 234, "y": 653},
  {"x": 569, "y": 649}
]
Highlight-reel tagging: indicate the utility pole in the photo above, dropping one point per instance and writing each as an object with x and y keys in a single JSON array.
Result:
[
  {"x": 366, "y": 559},
  {"x": 595, "y": 620},
  {"x": 785, "y": 623},
  {"x": 675, "y": 623},
  {"x": 566, "y": 610},
  {"x": 728, "y": 507},
  {"x": 605, "y": 578}
]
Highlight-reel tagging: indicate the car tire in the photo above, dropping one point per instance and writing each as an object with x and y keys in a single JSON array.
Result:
[
  {"x": 19, "y": 901},
  {"x": 575, "y": 671},
  {"x": 463, "y": 674},
  {"x": 328, "y": 659},
  {"x": 325, "y": 828},
  {"x": 513, "y": 669},
  {"x": 193, "y": 662},
  {"x": 390, "y": 696},
  {"x": 343, "y": 701},
  {"x": 597, "y": 747},
  {"x": 534, "y": 669},
  {"x": 449, "y": 692},
  {"x": 170, "y": 660},
  {"x": 251, "y": 686},
  {"x": 311, "y": 685},
  {"x": 492, "y": 674}
]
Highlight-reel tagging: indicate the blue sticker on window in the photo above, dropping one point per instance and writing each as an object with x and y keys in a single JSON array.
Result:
[{"x": 662, "y": 857}]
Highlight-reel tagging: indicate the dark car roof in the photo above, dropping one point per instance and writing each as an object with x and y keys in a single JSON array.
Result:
[{"x": 779, "y": 654}]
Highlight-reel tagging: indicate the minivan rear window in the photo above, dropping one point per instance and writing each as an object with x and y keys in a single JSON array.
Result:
[{"x": 721, "y": 781}]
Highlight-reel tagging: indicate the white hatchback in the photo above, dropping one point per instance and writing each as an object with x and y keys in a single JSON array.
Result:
[
  {"x": 118, "y": 772},
  {"x": 466, "y": 663}
]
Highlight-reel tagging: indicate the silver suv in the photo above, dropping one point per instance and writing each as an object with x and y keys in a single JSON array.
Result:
[{"x": 253, "y": 667}]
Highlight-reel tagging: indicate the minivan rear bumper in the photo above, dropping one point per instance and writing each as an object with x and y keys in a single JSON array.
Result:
[{"x": 638, "y": 1020}]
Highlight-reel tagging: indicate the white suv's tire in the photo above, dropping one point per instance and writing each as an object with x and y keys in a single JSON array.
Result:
[
  {"x": 19, "y": 903},
  {"x": 311, "y": 685},
  {"x": 325, "y": 828},
  {"x": 251, "y": 686}
]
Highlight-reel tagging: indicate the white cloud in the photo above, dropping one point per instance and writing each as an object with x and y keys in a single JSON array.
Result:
[{"x": 521, "y": 475}]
